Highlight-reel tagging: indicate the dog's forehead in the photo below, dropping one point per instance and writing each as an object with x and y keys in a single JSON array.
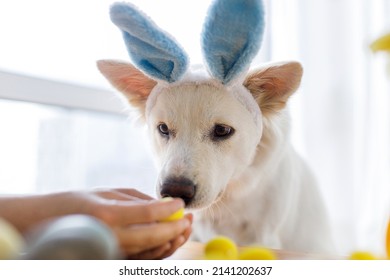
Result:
[
  {"x": 200, "y": 100},
  {"x": 204, "y": 90}
]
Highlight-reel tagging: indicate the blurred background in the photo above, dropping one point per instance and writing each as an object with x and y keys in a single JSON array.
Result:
[{"x": 62, "y": 126}]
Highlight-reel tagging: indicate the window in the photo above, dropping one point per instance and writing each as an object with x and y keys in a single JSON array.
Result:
[{"x": 47, "y": 148}]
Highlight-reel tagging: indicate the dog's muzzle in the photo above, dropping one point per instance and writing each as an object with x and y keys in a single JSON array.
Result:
[{"x": 178, "y": 187}]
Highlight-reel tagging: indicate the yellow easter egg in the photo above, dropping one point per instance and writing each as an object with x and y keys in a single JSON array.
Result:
[
  {"x": 362, "y": 255},
  {"x": 388, "y": 240},
  {"x": 221, "y": 248},
  {"x": 381, "y": 44},
  {"x": 256, "y": 253},
  {"x": 11, "y": 241},
  {"x": 179, "y": 214}
]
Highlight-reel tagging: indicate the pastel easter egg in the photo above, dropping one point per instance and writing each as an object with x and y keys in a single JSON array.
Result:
[
  {"x": 11, "y": 241},
  {"x": 388, "y": 240},
  {"x": 221, "y": 248},
  {"x": 256, "y": 253},
  {"x": 179, "y": 214},
  {"x": 72, "y": 237},
  {"x": 362, "y": 255}
]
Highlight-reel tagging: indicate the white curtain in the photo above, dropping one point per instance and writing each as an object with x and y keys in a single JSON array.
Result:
[{"x": 341, "y": 114}]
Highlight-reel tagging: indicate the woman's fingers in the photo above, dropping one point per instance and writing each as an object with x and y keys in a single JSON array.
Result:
[
  {"x": 134, "y": 193},
  {"x": 137, "y": 238},
  {"x": 119, "y": 194},
  {"x": 178, "y": 242},
  {"x": 124, "y": 213},
  {"x": 175, "y": 244},
  {"x": 153, "y": 254},
  {"x": 134, "y": 217}
]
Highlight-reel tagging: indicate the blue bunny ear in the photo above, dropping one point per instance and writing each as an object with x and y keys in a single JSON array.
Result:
[
  {"x": 151, "y": 49},
  {"x": 231, "y": 37}
]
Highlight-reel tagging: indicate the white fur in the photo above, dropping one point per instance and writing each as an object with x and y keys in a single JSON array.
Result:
[{"x": 252, "y": 187}]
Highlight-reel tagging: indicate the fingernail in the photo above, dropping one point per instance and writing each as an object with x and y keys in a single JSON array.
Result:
[
  {"x": 167, "y": 198},
  {"x": 190, "y": 217}
]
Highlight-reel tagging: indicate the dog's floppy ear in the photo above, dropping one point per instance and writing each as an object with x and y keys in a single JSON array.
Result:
[
  {"x": 231, "y": 37},
  {"x": 272, "y": 85},
  {"x": 135, "y": 86},
  {"x": 152, "y": 50}
]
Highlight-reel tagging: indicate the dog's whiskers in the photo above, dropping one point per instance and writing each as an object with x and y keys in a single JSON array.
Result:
[{"x": 210, "y": 211}]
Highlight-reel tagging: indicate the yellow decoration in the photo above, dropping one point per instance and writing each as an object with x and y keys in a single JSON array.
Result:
[
  {"x": 388, "y": 240},
  {"x": 221, "y": 248},
  {"x": 362, "y": 255},
  {"x": 179, "y": 214},
  {"x": 256, "y": 253},
  {"x": 11, "y": 241},
  {"x": 381, "y": 44}
]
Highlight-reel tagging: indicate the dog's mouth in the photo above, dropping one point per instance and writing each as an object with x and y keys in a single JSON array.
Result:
[
  {"x": 217, "y": 199},
  {"x": 197, "y": 205},
  {"x": 189, "y": 192}
]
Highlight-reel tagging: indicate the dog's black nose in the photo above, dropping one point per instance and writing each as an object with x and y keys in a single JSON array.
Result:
[{"x": 178, "y": 187}]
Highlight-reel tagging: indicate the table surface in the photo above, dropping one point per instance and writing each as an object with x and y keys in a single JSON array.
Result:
[{"x": 194, "y": 251}]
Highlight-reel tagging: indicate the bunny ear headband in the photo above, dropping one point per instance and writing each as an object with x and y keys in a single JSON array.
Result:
[{"x": 231, "y": 37}]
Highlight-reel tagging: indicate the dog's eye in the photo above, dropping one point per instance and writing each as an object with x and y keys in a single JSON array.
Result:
[
  {"x": 163, "y": 129},
  {"x": 222, "y": 131}
]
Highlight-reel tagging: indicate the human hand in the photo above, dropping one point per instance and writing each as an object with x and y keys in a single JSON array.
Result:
[{"x": 134, "y": 218}]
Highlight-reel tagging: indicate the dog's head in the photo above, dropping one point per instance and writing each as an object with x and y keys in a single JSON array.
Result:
[{"x": 205, "y": 126}]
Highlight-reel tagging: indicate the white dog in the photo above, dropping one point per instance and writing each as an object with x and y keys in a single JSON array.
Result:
[{"x": 221, "y": 140}]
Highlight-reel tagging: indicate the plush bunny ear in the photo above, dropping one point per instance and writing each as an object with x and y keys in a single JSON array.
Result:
[
  {"x": 232, "y": 35},
  {"x": 151, "y": 49}
]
